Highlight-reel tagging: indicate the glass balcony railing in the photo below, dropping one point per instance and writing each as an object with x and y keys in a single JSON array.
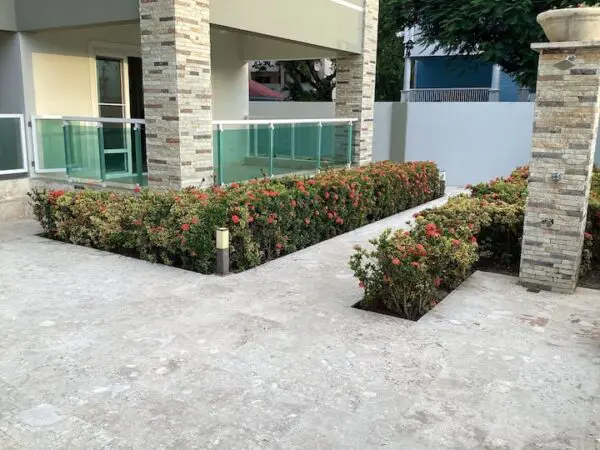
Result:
[
  {"x": 248, "y": 149},
  {"x": 90, "y": 149}
]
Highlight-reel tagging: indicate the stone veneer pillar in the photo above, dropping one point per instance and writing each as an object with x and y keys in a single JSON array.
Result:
[
  {"x": 564, "y": 140},
  {"x": 355, "y": 86},
  {"x": 177, "y": 91}
]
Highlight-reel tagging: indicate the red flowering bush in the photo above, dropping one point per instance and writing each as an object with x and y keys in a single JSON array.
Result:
[
  {"x": 409, "y": 272},
  {"x": 267, "y": 218}
]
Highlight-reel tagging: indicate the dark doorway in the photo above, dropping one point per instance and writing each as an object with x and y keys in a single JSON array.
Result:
[{"x": 136, "y": 101}]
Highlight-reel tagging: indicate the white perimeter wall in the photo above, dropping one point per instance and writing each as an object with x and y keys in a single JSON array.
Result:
[{"x": 472, "y": 142}]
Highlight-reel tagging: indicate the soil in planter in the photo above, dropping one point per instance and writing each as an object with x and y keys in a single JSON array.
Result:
[{"x": 380, "y": 309}]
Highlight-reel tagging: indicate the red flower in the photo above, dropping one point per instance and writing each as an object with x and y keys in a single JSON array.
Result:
[
  {"x": 416, "y": 264},
  {"x": 307, "y": 221},
  {"x": 185, "y": 227},
  {"x": 396, "y": 261},
  {"x": 431, "y": 230},
  {"x": 587, "y": 235},
  {"x": 235, "y": 219},
  {"x": 250, "y": 219},
  {"x": 311, "y": 181},
  {"x": 194, "y": 220},
  {"x": 456, "y": 242},
  {"x": 270, "y": 220},
  {"x": 437, "y": 281},
  {"x": 330, "y": 215},
  {"x": 361, "y": 284},
  {"x": 279, "y": 246},
  {"x": 470, "y": 226},
  {"x": 235, "y": 185},
  {"x": 293, "y": 203},
  {"x": 137, "y": 188},
  {"x": 327, "y": 195},
  {"x": 473, "y": 239},
  {"x": 137, "y": 222}
]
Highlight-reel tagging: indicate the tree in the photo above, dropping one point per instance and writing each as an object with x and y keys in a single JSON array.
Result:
[
  {"x": 497, "y": 31},
  {"x": 390, "y": 53},
  {"x": 303, "y": 81}
]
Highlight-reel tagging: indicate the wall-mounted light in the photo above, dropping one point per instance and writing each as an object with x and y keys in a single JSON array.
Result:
[
  {"x": 566, "y": 63},
  {"x": 556, "y": 176}
]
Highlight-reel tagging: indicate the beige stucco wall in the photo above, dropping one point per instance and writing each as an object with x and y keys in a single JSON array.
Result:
[
  {"x": 323, "y": 23},
  {"x": 62, "y": 66},
  {"x": 333, "y": 24}
]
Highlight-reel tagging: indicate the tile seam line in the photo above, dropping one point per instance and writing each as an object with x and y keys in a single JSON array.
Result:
[{"x": 348, "y": 5}]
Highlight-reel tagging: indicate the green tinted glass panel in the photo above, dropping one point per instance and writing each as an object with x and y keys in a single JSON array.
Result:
[
  {"x": 51, "y": 144},
  {"x": 256, "y": 150},
  {"x": 83, "y": 152},
  {"x": 11, "y": 150}
]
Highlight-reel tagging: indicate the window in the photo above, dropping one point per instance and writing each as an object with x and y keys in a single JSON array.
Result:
[
  {"x": 13, "y": 152},
  {"x": 112, "y": 104}
]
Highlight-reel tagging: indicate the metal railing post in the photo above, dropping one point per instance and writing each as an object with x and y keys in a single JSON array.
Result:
[
  {"x": 102, "y": 160},
  {"x": 350, "y": 139},
  {"x": 255, "y": 140},
  {"x": 67, "y": 142},
  {"x": 271, "y": 145},
  {"x": 293, "y": 150},
  {"x": 319, "y": 144},
  {"x": 139, "y": 163},
  {"x": 221, "y": 172}
]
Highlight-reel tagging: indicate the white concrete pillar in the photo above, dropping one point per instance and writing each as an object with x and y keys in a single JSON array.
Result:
[{"x": 495, "y": 88}]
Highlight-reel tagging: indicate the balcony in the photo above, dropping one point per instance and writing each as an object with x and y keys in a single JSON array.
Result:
[
  {"x": 111, "y": 152},
  {"x": 90, "y": 150},
  {"x": 451, "y": 95},
  {"x": 246, "y": 149}
]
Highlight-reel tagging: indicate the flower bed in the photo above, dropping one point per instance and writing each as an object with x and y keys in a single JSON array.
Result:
[
  {"x": 267, "y": 218},
  {"x": 409, "y": 272}
]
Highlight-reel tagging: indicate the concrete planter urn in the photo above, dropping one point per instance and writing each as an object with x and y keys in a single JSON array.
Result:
[{"x": 571, "y": 24}]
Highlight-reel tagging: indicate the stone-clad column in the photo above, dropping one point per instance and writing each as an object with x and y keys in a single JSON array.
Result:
[
  {"x": 177, "y": 91},
  {"x": 564, "y": 140},
  {"x": 355, "y": 86}
]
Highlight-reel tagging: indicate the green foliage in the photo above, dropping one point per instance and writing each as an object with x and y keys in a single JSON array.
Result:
[
  {"x": 499, "y": 31},
  {"x": 266, "y": 218},
  {"x": 390, "y": 55}
]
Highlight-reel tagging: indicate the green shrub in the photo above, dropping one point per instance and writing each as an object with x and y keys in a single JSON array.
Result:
[{"x": 267, "y": 218}]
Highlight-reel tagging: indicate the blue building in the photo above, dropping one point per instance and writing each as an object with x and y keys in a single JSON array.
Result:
[{"x": 435, "y": 75}]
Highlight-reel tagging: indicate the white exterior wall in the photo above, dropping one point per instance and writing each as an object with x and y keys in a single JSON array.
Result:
[
  {"x": 229, "y": 77},
  {"x": 292, "y": 110},
  {"x": 11, "y": 76},
  {"x": 472, "y": 142},
  {"x": 382, "y": 131}
]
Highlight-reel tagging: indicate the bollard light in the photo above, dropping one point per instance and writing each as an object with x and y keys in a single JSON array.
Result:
[{"x": 222, "y": 251}]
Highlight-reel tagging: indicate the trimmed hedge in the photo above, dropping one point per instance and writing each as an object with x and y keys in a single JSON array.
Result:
[
  {"x": 267, "y": 218},
  {"x": 409, "y": 272}
]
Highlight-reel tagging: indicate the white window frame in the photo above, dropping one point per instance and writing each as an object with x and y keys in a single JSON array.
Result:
[
  {"x": 25, "y": 157},
  {"x": 113, "y": 51}
]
